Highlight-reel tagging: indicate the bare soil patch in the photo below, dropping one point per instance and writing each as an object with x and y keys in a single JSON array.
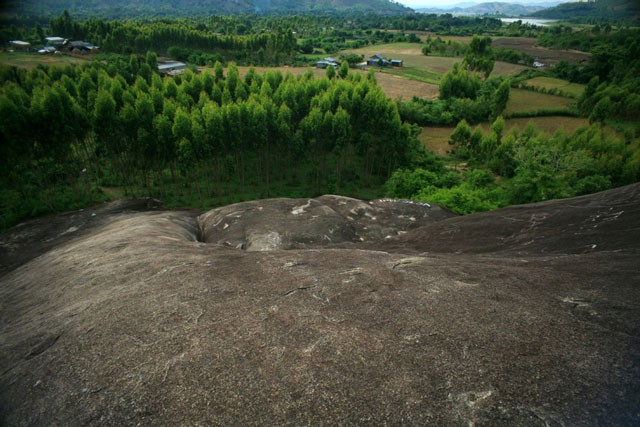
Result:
[
  {"x": 397, "y": 87},
  {"x": 544, "y": 55}
]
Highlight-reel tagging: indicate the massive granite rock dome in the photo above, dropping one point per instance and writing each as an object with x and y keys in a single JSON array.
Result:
[
  {"x": 324, "y": 222},
  {"x": 326, "y": 311}
]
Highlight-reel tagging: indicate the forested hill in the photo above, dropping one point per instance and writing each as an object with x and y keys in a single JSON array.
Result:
[
  {"x": 118, "y": 9},
  {"x": 597, "y": 11}
]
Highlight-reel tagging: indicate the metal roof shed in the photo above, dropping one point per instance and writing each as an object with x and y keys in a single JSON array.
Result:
[{"x": 54, "y": 40}]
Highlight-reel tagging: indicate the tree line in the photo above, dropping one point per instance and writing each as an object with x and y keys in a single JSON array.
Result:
[
  {"x": 531, "y": 165},
  {"x": 128, "y": 9}
]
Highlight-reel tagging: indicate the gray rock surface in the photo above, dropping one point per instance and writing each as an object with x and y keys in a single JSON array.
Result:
[
  {"x": 327, "y": 311},
  {"x": 327, "y": 221}
]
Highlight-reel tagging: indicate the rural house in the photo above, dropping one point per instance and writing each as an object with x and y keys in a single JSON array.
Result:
[
  {"x": 169, "y": 67},
  {"x": 20, "y": 45},
  {"x": 328, "y": 62},
  {"x": 48, "y": 50},
  {"x": 381, "y": 60},
  {"x": 378, "y": 59},
  {"x": 79, "y": 46},
  {"x": 54, "y": 40}
]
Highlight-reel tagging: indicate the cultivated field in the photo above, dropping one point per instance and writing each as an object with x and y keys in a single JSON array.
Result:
[
  {"x": 573, "y": 89},
  {"x": 524, "y": 101},
  {"x": 413, "y": 73},
  {"x": 548, "y": 125},
  {"x": 397, "y": 87},
  {"x": 459, "y": 39},
  {"x": 30, "y": 60},
  {"x": 390, "y": 49},
  {"x": 412, "y": 56},
  {"x": 529, "y": 45}
]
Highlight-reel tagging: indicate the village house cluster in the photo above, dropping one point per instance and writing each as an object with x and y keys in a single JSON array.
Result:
[
  {"x": 377, "y": 60},
  {"x": 381, "y": 60},
  {"x": 55, "y": 45}
]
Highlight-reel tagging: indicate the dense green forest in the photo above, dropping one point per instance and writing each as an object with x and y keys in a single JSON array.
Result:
[{"x": 67, "y": 131}]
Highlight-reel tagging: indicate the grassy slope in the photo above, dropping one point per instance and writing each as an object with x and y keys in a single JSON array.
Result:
[
  {"x": 424, "y": 68},
  {"x": 573, "y": 89},
  {"x": 31, "y": 60},
  {"x": 524, "y": 101}
]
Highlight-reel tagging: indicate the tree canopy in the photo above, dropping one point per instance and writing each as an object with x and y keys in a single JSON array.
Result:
[{"x": 76, "y": 128}]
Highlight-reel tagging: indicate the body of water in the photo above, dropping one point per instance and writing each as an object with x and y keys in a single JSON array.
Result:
[{"x": 531, "y": 21}]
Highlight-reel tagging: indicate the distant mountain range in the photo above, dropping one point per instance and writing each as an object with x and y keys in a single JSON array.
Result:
[
  {"x": 515, "y": 8},
  {"x": 162, "y": 8}
]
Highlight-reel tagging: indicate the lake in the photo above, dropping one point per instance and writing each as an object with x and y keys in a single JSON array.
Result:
[{"x": 531, "y": 21}]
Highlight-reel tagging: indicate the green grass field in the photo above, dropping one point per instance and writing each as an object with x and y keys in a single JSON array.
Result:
[
  {"x": 548, "y": 125},
  {"x": 506, "y": 69},
  {"x": 573, "y": 89},
  {"x": 416, "y": 73},
  {"x": 411, "y": 54},
  {"x": 390, "y": 49},
  {"x": 524, "y": 101},
  {"x": 31, "y": 60},
  {"x": 459, "y": 39},
  {"x": 424, "y": 68}
]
